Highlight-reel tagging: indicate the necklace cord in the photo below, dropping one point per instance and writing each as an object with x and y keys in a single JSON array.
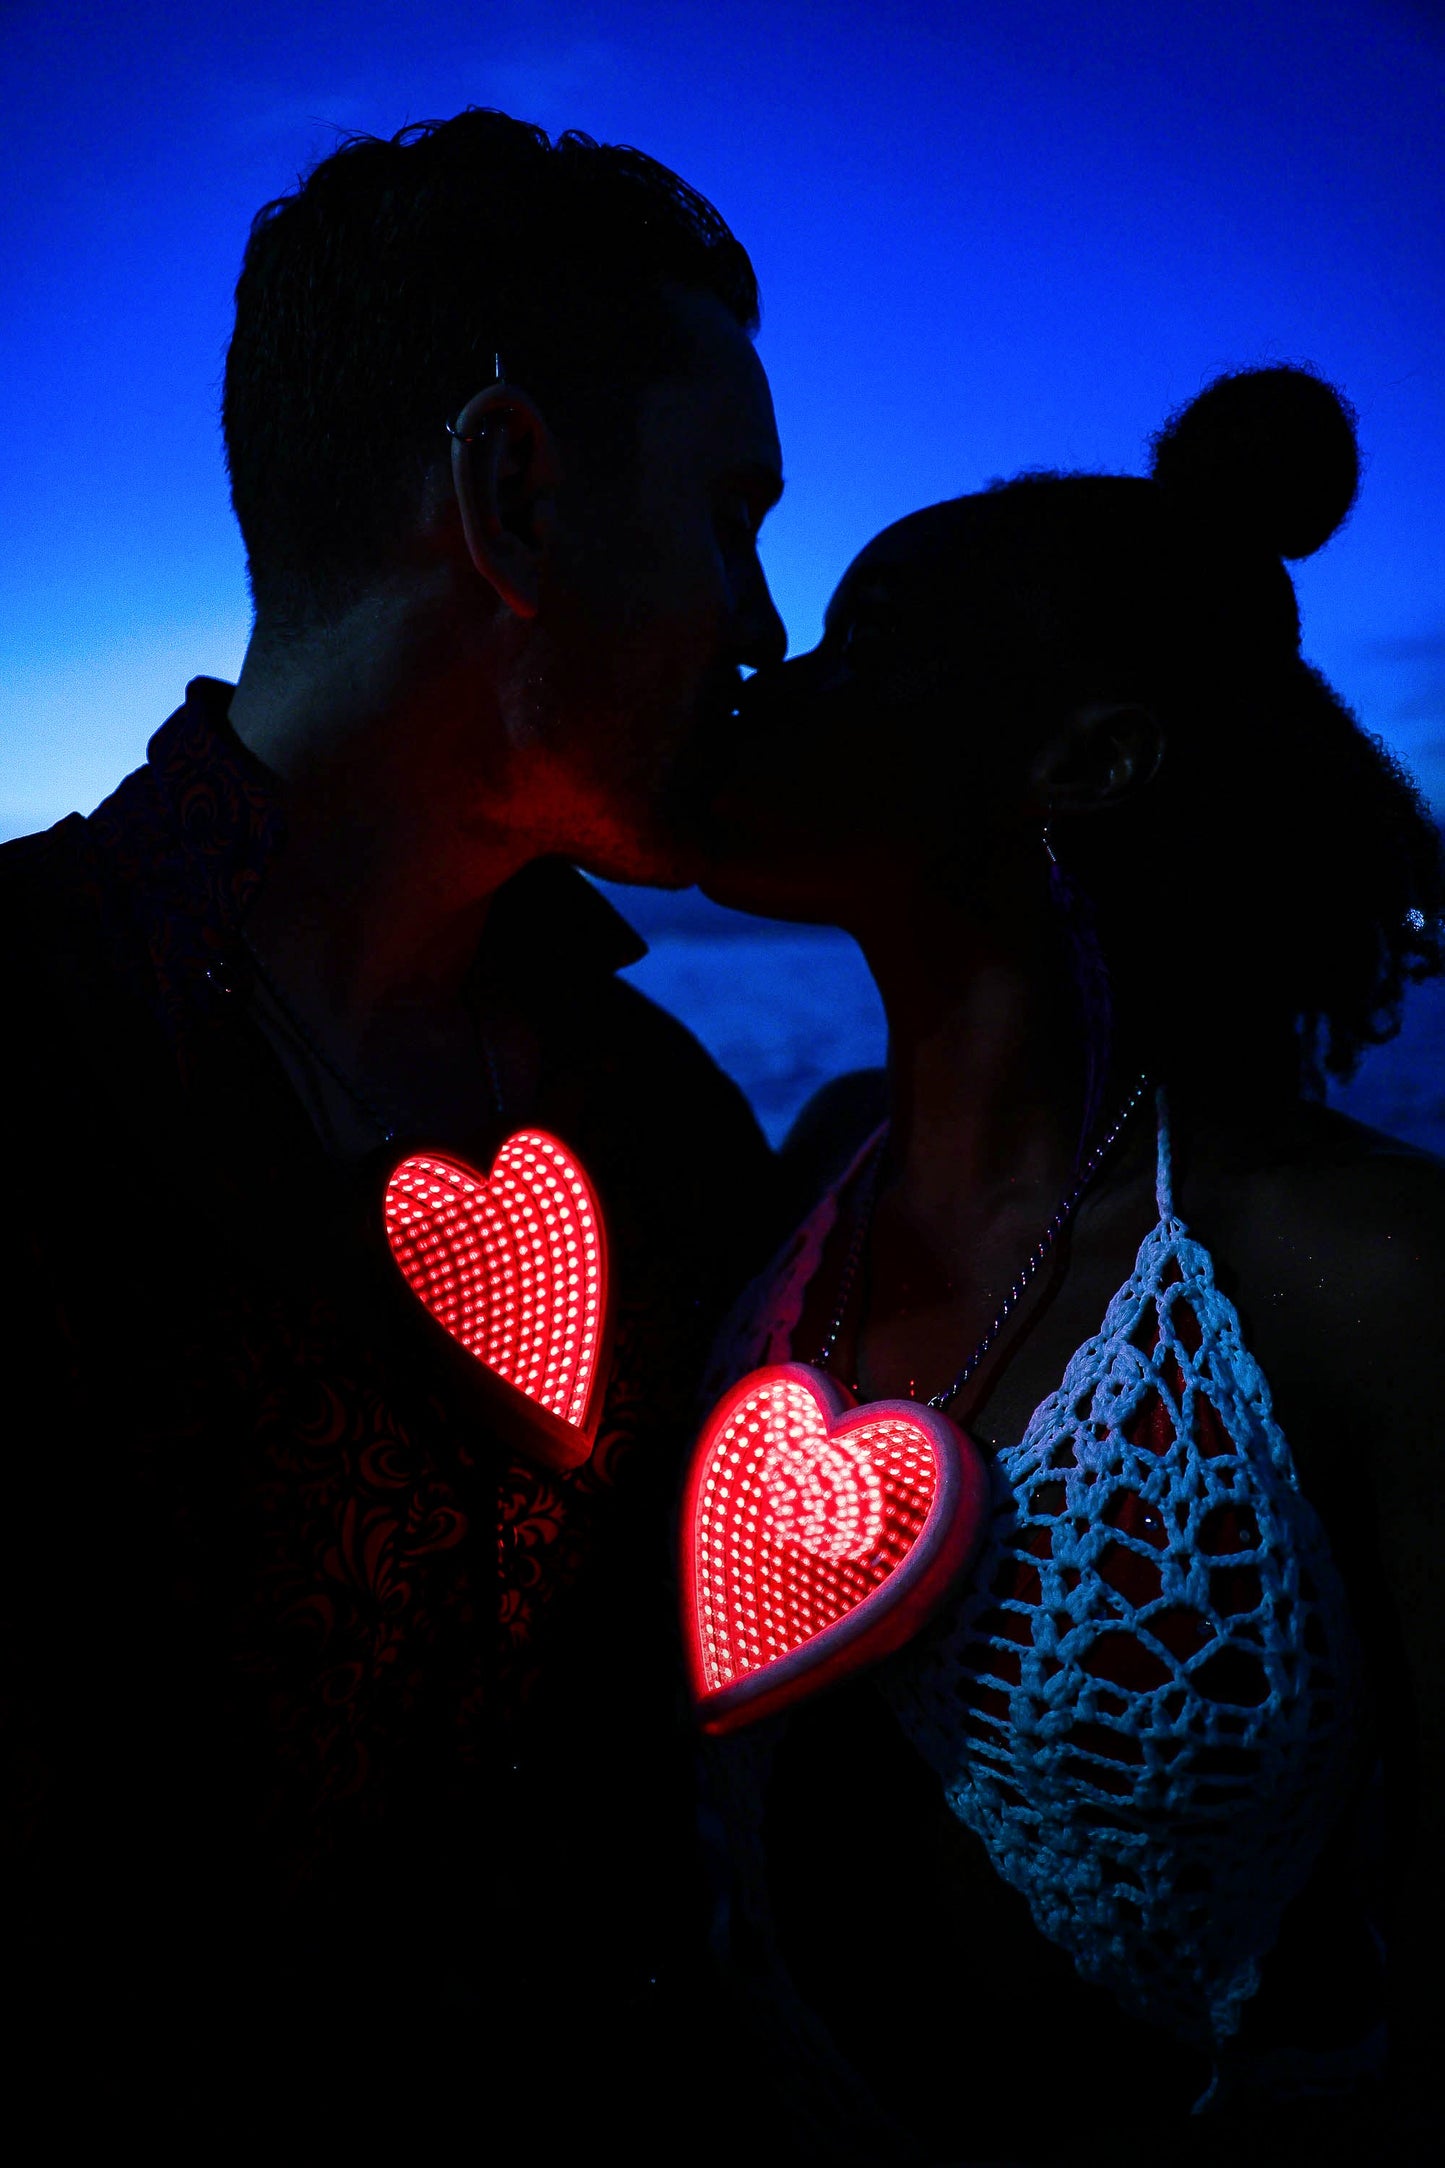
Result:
[
  {"x": 379, "y": 1121},
  {"x": 854, "y": 1259},
  {"x": 1029, "y": 1272}
]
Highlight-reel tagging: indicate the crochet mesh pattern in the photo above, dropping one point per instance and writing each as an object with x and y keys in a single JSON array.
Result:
[{"x": 1146, "y": 1700}]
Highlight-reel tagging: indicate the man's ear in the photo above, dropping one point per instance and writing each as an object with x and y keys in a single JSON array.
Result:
[
  {"x": 505, "y": 472},
  {"x": 1103, "y": 753}
]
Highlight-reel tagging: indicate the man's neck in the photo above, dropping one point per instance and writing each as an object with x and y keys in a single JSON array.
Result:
[
  {"x": 379, "y": 748},
  {"x": 382, "y": 744}
]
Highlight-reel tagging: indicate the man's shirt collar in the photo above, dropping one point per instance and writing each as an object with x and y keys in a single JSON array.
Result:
[{"x": 192, "y": 832}]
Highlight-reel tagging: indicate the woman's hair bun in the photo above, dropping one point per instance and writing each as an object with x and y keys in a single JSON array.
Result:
[{"x": 1268, "y": 453}]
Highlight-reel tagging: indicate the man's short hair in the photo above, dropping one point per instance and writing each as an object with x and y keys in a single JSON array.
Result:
[{"x": 372, "y": 300}]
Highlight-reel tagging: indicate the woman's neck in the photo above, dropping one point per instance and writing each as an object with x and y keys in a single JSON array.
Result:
[
  {"x": 987, "y": 1082},
  {"x": 986, "y": 1072}
]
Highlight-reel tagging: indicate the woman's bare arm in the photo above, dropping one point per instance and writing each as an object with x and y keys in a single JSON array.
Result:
[{"x": 1344, "y": 1279}]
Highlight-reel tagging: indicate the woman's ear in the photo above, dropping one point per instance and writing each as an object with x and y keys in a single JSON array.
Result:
[
  {"x": 1104, "y": 752},
  {"x": 505, "y": 472}
]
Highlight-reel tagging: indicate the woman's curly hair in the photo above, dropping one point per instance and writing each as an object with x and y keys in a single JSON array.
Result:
[{"x": 1264, "y": 903}]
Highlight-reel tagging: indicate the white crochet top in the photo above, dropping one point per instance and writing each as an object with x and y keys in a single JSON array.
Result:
[{"x": 1146, "y": 1699}]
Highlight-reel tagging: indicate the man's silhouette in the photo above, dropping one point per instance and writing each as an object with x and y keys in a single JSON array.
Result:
[{"x": 344, "y": 1793}]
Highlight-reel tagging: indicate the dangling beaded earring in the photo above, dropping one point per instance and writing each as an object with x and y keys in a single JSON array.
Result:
[{"x": 1092, "y": 986}]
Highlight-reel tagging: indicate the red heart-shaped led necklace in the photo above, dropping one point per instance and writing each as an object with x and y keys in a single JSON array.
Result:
[
  {"x": 819, "y": 1535},
  {"x": 510, "y": 1266}
]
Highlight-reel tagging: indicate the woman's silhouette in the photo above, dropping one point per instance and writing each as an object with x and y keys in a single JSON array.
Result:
[{"x": 1118, "y": 1832}]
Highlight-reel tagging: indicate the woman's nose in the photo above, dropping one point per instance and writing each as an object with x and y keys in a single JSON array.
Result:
[
  {"x": 781, "y": 692},
  {"x": 802, "y": 678}
]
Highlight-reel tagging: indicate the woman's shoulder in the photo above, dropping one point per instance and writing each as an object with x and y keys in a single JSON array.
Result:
[
  {"x": 1327, "y": 1203},
  {"x": 1330, "y": 1237}
]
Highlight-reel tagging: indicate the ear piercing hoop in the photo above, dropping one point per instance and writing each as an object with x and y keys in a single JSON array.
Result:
[{"x": 451, "y": 429}]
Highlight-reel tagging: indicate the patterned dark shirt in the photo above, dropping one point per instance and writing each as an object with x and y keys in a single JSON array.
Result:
[{"x": 328, "y": 1727}]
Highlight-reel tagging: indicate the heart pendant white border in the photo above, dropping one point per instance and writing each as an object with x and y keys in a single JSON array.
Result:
[{"x": 895, "y": 1611}]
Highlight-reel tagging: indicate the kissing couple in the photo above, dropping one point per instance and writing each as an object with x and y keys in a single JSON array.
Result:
[{"x": 1046, "y": 1433}]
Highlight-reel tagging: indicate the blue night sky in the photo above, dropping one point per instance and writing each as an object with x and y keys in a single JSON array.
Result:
[{"x": 994, "y": 234}]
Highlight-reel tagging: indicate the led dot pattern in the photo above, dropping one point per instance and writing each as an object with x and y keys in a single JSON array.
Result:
[
  {"x": 798, "y": 1521},
  {"x": 511, "y": 1263}
]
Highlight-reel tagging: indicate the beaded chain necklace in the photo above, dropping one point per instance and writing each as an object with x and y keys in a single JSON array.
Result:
[
  {"x": 1029, "y": 1272},
  {"x": 818, "y": 1533}
]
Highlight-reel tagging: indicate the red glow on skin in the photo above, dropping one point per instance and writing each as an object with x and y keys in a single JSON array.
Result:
[
  {"x": 817, "y": 1536},
  {"x": 513, "y": 1265}
]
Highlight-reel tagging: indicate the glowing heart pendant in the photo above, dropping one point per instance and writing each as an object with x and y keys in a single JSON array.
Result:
[
  {"x": 817, "y": 1536},
  {"x": 512, "y": 1265}
]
